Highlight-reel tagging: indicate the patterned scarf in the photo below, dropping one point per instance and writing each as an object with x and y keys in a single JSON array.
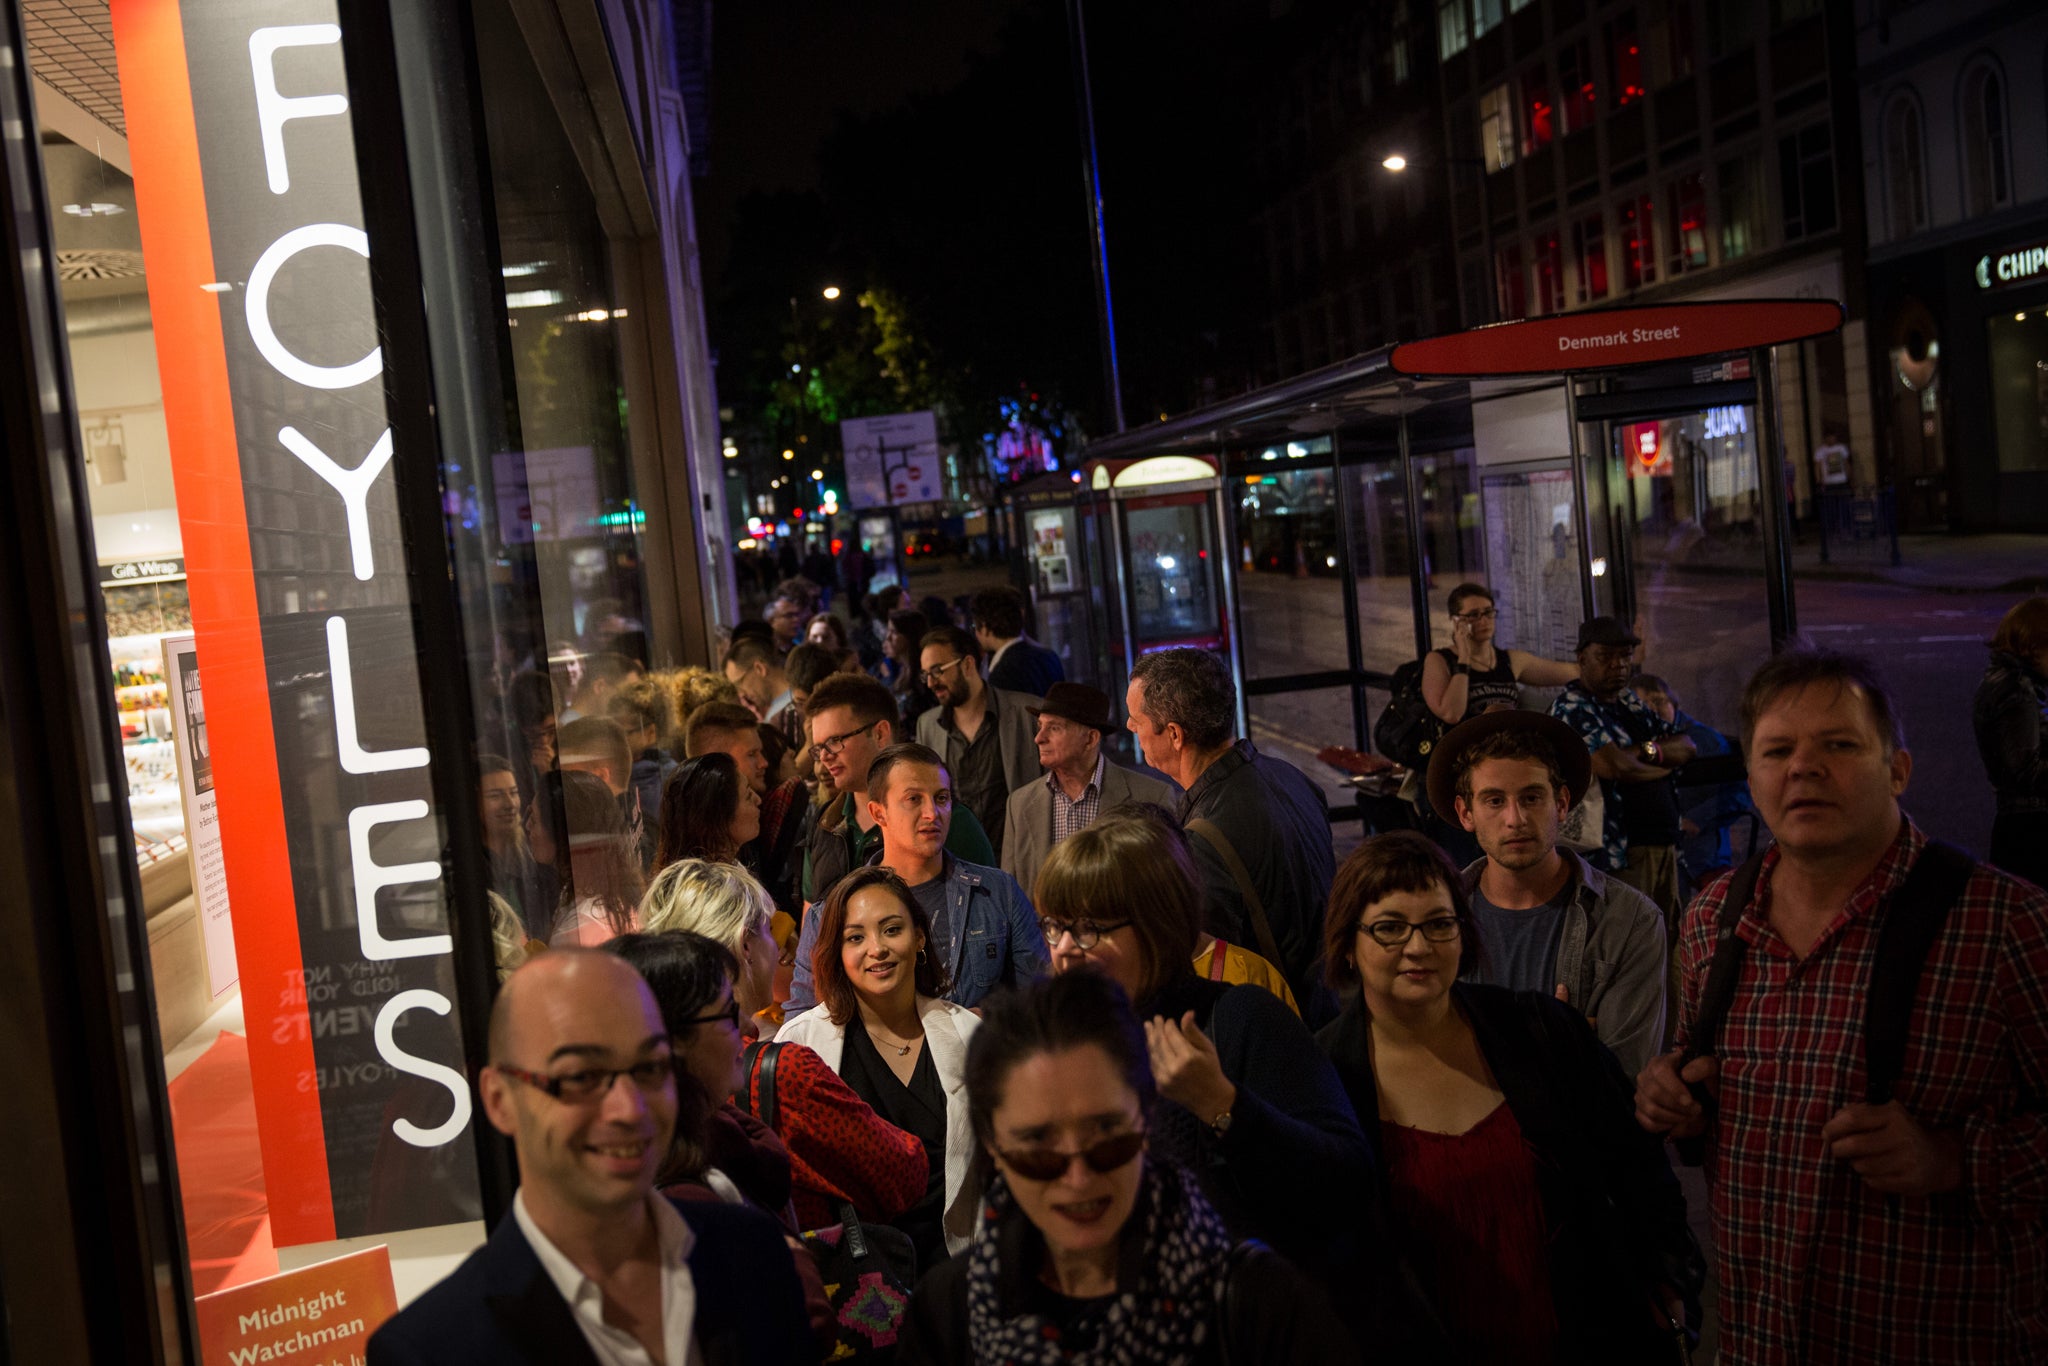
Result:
[{"x": 1160, "y": 1321}]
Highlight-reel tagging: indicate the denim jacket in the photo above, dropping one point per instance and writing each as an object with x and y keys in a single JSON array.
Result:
[
  {"x": 2010, "y": 717},
  {"x": 990, "y": 937}
]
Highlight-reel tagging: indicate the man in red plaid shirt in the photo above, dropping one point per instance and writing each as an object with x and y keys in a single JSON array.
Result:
[{"x": 1847, "y": 1232}]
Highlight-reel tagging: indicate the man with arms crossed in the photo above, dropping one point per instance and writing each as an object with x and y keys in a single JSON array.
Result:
[
  {"x": 1846, "y": 1230},
  {"x": 593, "y": 1267}
]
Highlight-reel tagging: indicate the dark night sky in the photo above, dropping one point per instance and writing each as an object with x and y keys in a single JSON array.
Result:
[{"x": 782, "y": 71}]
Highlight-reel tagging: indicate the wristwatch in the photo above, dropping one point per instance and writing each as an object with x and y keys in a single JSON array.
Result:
[{"x": 1220, "y": 1125}]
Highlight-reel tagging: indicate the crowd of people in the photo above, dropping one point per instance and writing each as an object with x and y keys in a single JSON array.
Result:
[{"x": 857, "y": 1004}]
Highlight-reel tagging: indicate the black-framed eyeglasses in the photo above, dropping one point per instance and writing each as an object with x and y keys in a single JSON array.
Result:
[
  {"x": 1483, "y": 614},
  {"x": 594, "y": 1083},
  {"x": 829, "y": 747},
  {"x": 938, "y": 671},
  {"x": 730, "y": 1015},
  {"x": 1392, "y": 934},
  {"x": 1050, "y": 1164},
  {"x": 1087, "y": 933}
]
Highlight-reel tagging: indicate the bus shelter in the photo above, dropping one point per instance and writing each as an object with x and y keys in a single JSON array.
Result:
[{"x": 1619, "y": 461}]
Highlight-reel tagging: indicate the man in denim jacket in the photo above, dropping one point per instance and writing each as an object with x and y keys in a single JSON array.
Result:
[{"x": 983, "y": 926}]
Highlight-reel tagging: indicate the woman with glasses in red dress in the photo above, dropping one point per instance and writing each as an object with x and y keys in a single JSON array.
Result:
[{"x": 1089, "y": 1247}]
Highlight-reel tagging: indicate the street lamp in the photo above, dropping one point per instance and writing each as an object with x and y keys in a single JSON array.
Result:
[
  {"x": 1397, "y": 163},
  {"x": 831, "y": 291},
  {"x": 817, "y": 475}
]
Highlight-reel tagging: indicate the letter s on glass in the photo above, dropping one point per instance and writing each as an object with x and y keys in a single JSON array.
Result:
[{"x": 388, "y": 1049}]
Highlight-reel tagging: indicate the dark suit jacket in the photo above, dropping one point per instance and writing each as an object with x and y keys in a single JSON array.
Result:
[
  {"x": 1029, "y": 667},
  {"x": 500, "y": 1307}
]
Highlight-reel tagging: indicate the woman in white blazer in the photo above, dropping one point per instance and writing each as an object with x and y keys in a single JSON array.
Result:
[{"x": 881, "y": 1025}]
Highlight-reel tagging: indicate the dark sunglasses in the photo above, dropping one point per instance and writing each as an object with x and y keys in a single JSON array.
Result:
[{"x": 1048, "y": 1164}]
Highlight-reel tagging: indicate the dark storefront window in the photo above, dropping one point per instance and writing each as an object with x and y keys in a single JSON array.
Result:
[
  {"x": 1539, "y": 109},
  {"x": 1548, "y": 259},
  {"x": 1806, "y": 181},
  {"x": 1638, "y": 242},
  {"x": 1742, "y": 207},
  {"x": 1689, "y": 223},
  {"x": 1512, "y": 287},
  {"x": 1589, "y": 250},
  {"x": 2019, "y": 389},
  {"x": 1625, "y": 59},
  {"x": 1575, "y": 85}
]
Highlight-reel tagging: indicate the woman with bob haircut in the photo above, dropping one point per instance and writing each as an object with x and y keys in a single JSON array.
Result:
[
  {"x": 1091, "y": 1247},
  {"x": 2010, "y": 717},
  {"x": 1538, "y": 1220},
  {"x": 707, "y": 811},
  {"x": 881, "y": 1024},
  {"x": 839, "y": 1148},
  {"x": 1250, "y": 1106}
]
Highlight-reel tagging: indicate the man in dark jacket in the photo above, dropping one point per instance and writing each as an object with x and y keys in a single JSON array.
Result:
[
  {"x": 592, "y": 1265},
  {"x": 1016, "y": 662},
  {"x": 1259, "y": 830}
]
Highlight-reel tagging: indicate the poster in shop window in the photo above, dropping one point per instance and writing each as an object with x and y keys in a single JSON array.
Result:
[
  {"x": 1532, "y": 554},
  {"x": 202, "y": 810}
]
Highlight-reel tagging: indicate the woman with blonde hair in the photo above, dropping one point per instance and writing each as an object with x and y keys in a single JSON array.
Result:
[{"x": 840, "y": 1150}]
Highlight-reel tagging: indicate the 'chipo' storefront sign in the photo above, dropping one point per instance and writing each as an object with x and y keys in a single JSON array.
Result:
[{"x": 259, "y": 285}]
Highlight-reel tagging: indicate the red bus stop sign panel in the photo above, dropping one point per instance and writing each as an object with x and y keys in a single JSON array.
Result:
[{"x": 1612, "y": 338}]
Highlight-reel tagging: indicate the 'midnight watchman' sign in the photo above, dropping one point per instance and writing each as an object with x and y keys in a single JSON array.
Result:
[{"x": 259, "y": 291}]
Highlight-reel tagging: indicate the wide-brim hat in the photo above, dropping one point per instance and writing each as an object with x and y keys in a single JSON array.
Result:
[
  {"x": 1573, "y": 760},
  {"x": 1076, "y": 702}
]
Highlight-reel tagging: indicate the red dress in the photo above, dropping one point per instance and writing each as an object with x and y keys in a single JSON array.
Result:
[{"x": 1472, "y": 1222}]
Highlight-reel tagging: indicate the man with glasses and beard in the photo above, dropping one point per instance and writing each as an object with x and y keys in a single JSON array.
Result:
[
  {"x": 986, "y": 735},
  {"x": 594, "y": 1267},
  {"x": 852, "y": 719}
]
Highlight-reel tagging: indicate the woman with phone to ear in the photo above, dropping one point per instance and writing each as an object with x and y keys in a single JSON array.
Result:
[{"x": 1090, "y": 1247}]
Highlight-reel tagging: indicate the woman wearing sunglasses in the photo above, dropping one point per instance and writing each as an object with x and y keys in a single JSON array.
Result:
[
  {"x": 1537, "y": 1220},
  {"x": 839, "y": 1148},
  {"x": 708, "y": 811},
  {"x": 881, "y": 1025},
  {"x": 1090, "y": 1247},
  {"x": 1252, "y": 1108}
]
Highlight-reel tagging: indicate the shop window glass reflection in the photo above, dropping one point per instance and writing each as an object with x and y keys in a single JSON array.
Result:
[
  {"x": 1290, "y": 584},
  {"x": 2019, "y": 389}
]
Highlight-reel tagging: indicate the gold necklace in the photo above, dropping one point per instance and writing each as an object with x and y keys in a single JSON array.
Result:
[{"x": 902, "y": 1050}]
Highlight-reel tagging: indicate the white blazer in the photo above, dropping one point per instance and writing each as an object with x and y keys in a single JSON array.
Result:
[{"x": 947, "y": 1028}]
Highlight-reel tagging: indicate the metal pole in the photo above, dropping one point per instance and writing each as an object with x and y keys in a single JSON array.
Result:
[
  {"x": 1347, "y": 576},
  {"x": 1770, "y": 457},
  {"x": 1418, "y": 564},
  {"x": 1226, "y": 554},
  {"x": 1091, "y": 175},
  {"x": 1582, "y": 506}
]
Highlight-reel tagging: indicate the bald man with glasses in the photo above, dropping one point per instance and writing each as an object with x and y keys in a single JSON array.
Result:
[{"x": 594, "y": 1267}]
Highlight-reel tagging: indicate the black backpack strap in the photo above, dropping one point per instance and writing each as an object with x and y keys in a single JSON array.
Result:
[
  {"x": 1913, "y": 919},
  {"x": 1729, "y": 950},
  {"x": 767, "y": 1053}
]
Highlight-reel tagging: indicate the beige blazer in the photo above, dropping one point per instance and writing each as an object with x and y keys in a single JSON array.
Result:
[
  {"x": 947, "y": 1028},
  {"x": 1027, "y": 821}
]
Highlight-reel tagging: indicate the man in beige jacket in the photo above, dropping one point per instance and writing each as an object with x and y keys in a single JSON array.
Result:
[{"x": 1080, "y": 782}]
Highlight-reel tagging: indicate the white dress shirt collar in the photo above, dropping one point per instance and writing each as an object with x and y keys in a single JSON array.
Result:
[{"x": 585, "y": 1298}]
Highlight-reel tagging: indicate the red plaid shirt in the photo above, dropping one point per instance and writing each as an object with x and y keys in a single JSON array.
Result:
[{"x": 1815, "y": 1267}]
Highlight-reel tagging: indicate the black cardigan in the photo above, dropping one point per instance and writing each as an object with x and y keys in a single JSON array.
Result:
[
  {"x": 1614, "y": 1212},
  {"x": 1294, "y": 1164}
]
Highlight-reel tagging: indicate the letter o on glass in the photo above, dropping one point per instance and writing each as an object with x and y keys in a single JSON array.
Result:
[{"x": 258, "y": 307}]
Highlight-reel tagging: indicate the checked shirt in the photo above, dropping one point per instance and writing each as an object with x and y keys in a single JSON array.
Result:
[{"x": 1814, "y": 1267}]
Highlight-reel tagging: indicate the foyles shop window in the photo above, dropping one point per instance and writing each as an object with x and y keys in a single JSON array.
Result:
[{"x": 225, "y": 353}]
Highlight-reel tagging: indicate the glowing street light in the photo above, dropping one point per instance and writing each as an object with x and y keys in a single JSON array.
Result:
[
  {"x": 1396, "y": 162},
  {"x": 831, "y": 291},
  {"x": 817, "y": 474},
  {"x": 789, "y": 455}
]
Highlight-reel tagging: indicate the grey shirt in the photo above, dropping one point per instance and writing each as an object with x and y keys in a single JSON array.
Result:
[
  {"x": 1518, "y": 948},
  {"x": 932, "y": 896}
]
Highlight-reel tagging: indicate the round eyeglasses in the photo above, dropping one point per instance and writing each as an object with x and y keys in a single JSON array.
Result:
[{"x": 1087, "y": 933}]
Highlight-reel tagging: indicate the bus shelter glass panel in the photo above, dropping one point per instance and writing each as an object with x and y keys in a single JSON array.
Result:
[
  {"x": 1290, "y": 583},
  {"x": 1295, "y": 725},
  {"x": 1685, "y": 561},
  {"x": 1169, "y": 555},
  {"x": 1380, "y": 564},
  {"x": 1453, "y": 531},
  {"x": 1052, "y": 556}
]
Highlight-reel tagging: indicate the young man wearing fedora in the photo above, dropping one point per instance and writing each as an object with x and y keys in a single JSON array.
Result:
[
  {"x": 1548, "y": 920},
  {"x": 1080, "y": 782}
]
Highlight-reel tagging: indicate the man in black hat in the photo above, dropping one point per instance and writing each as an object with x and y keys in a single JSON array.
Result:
[
  {"x": 1550, "y": 921},
  {"x": 1080, "y": 782},
  {"x": 1634, "y": 753}
]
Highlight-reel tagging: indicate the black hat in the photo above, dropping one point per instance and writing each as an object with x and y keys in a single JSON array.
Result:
[
  {"x": 1574, "y": 764},
  {"x": 1605, "y": 631},
  {"x": 1076, "y": 702}
]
